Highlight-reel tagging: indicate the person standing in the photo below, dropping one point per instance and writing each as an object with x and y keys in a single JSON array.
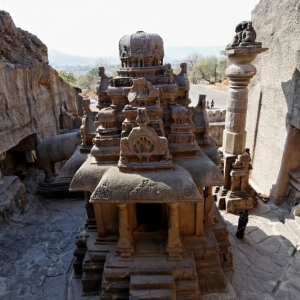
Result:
[
  {"x": 207, "y": 105},
  {"x": 243, "y": 220},
  {"x": 212, "y": 104}
]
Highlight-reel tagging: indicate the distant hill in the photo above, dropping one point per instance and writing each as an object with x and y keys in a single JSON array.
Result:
[
  {"x": 180, "y": 53},
  {"x": 59, "y": 60}
]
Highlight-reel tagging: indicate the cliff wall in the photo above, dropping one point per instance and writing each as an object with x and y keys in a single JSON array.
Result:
[
  {"x": 31, "y": 92},
  {"x": 273, "y": 119}
]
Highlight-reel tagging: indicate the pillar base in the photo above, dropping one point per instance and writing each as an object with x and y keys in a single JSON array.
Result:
[
  {"x": 174, "y": 252},
  {"x": 126, "y": 252},
  {"x": 234, "y": 142},
  {"x": 230, "y": 201}
]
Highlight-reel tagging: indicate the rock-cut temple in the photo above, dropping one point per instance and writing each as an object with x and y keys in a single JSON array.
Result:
[{"x": 148, "y": 164}]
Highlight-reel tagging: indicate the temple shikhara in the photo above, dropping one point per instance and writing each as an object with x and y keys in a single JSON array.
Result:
[{"x": 153, "y": 230}]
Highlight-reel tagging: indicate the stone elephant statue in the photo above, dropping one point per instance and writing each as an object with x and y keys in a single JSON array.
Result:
[{"x": 54, "y": 149}]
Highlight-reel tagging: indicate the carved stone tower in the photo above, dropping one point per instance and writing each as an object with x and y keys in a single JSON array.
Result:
[{"x": 152, "y": 222}]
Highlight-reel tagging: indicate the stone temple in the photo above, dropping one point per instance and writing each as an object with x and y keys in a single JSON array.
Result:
[{"x": 153, "y": 230}]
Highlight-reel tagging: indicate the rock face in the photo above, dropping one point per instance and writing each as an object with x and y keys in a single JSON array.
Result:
[
  {"x": 273, "y": 119},
  {"x": 31, "y": 91}
]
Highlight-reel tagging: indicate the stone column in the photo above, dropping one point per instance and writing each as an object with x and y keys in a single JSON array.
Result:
[
  {"x": 174, "y": 247},
  {"x": 239, "y": 72},
  {"x": 234, "y": 136},
  {"x": 125, "y": 244}
]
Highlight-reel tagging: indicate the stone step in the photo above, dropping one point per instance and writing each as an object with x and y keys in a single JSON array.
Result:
[
  {"x": 206, "y": 255},
  {"x": 188, "y": 296},
  {"x": 139, "y": 282},
  {"x": 91, "y": 282},
  {"x": 208, "y": 265},
  {"x": 120, "y": 286},
  {"x": 153, "y": 294},
  {"x": 92, "y": 267},
  {"x": 190, "y": 285},
  {"x": 212, "y": 282},
  {"x": 109, "y": 296},
  {"x": 224, "y": 244}
]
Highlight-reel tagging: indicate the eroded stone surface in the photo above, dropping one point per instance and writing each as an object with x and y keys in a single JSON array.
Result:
[
  {"x": 273, "y": 106},
  {"x": 31, "y": 87}
]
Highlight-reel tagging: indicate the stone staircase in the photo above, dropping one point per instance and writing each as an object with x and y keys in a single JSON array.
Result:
[
  {"x": 151, "y": 287},
  {"x": 92, "y": 274},
  {"x": 187, "y": 289},
  {"x": 209, "y": 267}
]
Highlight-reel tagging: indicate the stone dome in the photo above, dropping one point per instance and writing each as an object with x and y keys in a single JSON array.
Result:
[{"x": 141, "y": 44}]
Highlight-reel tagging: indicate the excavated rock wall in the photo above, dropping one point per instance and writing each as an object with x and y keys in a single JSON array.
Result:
[
  {"x": 273, "y": 106},
  {"x": 31, "y": 92}
]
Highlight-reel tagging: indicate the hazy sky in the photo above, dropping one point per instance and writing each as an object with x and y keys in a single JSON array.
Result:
[{"x": 94, "y": 27}]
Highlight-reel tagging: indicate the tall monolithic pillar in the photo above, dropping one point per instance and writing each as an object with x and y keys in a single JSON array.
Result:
[{"x": 241, "y": 52}]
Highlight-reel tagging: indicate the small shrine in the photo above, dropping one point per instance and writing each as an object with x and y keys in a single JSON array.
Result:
[{"x": 153, "y": 229}]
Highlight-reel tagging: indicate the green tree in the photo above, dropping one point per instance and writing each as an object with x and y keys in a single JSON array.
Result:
[
  {"x": 207, "y": 68},
  {"x": 68, "y": 77},
  {"x": 192, "y": 59},
  {"x": 88, "y": 80},
  {"x": 223, "y": 64}
]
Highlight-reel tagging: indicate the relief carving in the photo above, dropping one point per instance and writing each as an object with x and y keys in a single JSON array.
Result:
[
  {"x": 148, "y": 189},
  {"x": 102, "y": 192},
  {"x": 144, "y": 144}
]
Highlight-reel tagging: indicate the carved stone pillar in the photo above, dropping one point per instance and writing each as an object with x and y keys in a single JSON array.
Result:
[
  {"x": 239, "y": 72},
  {"x": 125, "y": 244},
  {"x": 174, "y": 247},
  {"x": 234, "y": 136}
]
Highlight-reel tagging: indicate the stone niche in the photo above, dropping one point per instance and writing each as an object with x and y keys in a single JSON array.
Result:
[{"x": 152, "y": 226}]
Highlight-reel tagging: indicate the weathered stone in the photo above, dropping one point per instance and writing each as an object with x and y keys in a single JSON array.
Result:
[
  {"x": 241, "y": 53},
  {"x": 149, "y": 177},
  {"x": 273, "y": 106},
  {"x": 12, "y": 197},
  {"x": 32, "y": 87},
  {"x": 56, "y": 149}
]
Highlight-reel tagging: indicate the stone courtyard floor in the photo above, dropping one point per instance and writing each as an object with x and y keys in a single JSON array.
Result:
[
  {"x": 36, "y": 252},
  {"x": 266, "y": 262}
]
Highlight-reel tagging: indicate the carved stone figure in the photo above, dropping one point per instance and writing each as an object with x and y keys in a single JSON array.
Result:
[
  {"x": 55, "y": 149},
  {"x": 245, "y": 36},
  {"x": 169, "y": 73},
  {"x": 249, "y": 36},
  {"x": 101, "y": 88}
]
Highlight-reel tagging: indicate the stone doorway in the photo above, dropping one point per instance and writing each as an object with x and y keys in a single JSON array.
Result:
[{"x": 149, "y": 217}]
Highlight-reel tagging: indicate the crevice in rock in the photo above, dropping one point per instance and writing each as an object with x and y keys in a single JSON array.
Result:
[{"x": 276, "y": 287}]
